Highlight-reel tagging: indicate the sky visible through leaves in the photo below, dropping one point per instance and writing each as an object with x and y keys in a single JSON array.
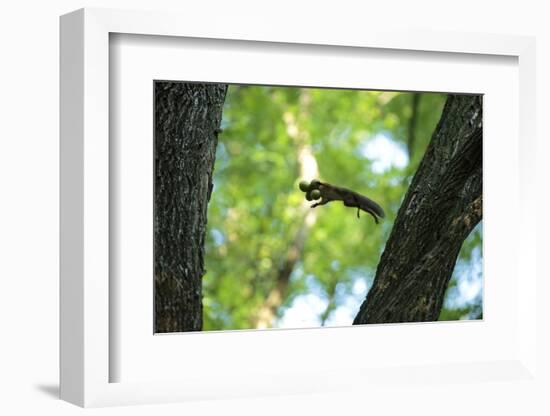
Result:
[{"x": 271, "y": 260}]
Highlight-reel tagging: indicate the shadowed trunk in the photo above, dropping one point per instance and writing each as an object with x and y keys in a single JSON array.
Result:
[
  {"x": 441, "y": 207},
  {"x": 411, "y": 139},
  {"x": 187, "y": 121}
]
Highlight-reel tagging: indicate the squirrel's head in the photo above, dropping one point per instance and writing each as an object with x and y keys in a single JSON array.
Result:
[{"x": 314, "y": 184}]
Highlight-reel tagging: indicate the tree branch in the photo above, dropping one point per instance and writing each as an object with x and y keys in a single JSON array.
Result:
[
  {"x": 411, "y": 139},
  {"x": 441, "y": 207}
]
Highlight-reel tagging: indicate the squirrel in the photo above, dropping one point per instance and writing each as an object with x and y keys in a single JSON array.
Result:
[{"x": 348, "y": 197}]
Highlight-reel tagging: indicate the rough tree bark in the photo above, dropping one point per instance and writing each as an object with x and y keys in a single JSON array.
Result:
[
  {"x": 187, "y": 122},
  {"x": 441, "y": 207}
]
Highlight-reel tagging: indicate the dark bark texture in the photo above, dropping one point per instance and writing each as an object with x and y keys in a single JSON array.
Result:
[
  {"x": 442, "y": 206},
  {"x": 187, "y": 122}
]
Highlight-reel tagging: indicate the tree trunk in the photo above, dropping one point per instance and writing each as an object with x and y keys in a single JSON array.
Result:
[
  {"x": 411, "y": 138},
  {"x": 187, "y": 122},
  {"x": 307, "y": 217},
  {"x": 441, "y": 207}
]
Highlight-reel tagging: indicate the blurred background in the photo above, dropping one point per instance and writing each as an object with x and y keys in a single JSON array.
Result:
[{"x": 271, "y": 260}]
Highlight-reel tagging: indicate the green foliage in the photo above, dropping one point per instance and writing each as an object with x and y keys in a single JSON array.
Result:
[{"x": 257, "y": 216}]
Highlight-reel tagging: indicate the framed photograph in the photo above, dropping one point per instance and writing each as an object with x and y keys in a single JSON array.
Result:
[{"x": 277, "y": 212}]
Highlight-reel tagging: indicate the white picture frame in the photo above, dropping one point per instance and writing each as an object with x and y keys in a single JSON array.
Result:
[{"x": 86, "y": 352}]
